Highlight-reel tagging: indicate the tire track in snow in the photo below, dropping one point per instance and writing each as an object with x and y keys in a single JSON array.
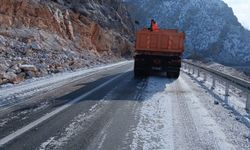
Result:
[
  {"x": 209, "y": 133},
  {"x": 171, "y": 117},
  {"x": 155, "y": 128},
  {"x": 35, "y": 123}
]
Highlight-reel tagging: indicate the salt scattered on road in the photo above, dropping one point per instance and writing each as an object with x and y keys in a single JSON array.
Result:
[
  {"x": 155, "y": 128},
  {"x": 74, "y": 128}
]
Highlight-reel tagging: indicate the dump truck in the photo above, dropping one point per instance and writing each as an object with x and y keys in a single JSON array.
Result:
[{"x": 158, "y": 51}]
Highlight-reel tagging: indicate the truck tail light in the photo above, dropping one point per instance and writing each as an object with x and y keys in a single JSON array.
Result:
[
  {"x": 139, "y": 59},
  {"x": 176, "y": 62}
]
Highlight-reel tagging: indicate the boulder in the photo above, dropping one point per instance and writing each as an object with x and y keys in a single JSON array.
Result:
[
  {"x": 11, "y": 76},
  {"x": 18, "y": 80},
  {"x": 35, "y": 46},
  {"x": 3, "y": 81},
  {"x": 43, "y": 72},
  {"x": 20, "y": 77},
  {"x": 60, "y": 2},
  {"x": 2, "y": 40},
  {"x": 59, "y": 69},
  {"x": 2, "y": 74},
  {"x": 29, "y": 52},
  {"x": 30, "y": 74},
  {"x": 27, "y": 68},
  {"x": 11, "y": 70},
  {"x": 16, "y": 68},
  {"x": 3, "y": 67}
]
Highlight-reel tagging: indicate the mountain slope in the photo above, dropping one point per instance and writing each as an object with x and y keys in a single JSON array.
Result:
[
  {"x": 39, "y": 37},
  {"x": 212, "y": 30}
]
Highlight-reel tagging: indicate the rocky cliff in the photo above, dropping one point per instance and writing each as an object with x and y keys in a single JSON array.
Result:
[
  {"x": 39, "y": 37},
  {"x": 212, "y": 30}
]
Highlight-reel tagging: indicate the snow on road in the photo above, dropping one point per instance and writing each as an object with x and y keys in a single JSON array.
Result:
[
  {"x": 173, "y": 114},
  {"x": 72, "y": 129},
  {"x": 155, "y": 128},
  {"x": 10, "y": 95},
  {"x": 172, "y": 117},
  {"x": 210, "y": 134}
]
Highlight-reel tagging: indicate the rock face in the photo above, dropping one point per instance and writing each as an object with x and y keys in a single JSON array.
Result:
[
  {"x": 212, "y": 30},
  {"x": 38, "y": 37}
]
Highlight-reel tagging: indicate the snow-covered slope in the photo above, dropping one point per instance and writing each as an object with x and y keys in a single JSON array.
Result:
[{"x": 212, "y": 30}]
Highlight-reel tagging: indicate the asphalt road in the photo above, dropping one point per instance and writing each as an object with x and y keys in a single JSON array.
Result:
[{"x": 111, "y": 110}]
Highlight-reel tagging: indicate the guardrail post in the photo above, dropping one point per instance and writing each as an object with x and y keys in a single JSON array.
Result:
[
  {"x": 213, "y": 82},
  {"x": 217, "y": 76},
  {"x": 205, "y": 76},
  {"x": 248, "y": 101},
  {"x": 227, "y": 89}
]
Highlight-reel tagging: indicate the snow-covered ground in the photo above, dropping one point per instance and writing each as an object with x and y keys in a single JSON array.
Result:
[
  {"x": 176, "y": 115},
  {"x": 236, "y": 99},
  {"x": 161, "y": 113},
  {"x": 155, "y": 127},
  {"x": 12, "y": 94}
]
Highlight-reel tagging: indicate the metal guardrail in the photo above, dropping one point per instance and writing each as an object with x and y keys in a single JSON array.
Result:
[{"x": 218, "y": 76}]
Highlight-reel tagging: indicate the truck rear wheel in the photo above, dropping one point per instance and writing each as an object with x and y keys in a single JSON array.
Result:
[
  {"x": 173, "y": 74},
  {"x": 140, "y": 73},
  {"x": 137, "y": 73}
]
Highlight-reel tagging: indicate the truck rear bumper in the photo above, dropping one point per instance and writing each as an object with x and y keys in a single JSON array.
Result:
[{"x": 157, "y": 63}]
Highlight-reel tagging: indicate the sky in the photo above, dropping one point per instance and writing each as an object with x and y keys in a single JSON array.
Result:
[{"x": 241, "y": 10}]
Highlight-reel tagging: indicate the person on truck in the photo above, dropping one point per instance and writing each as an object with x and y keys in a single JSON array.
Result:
[{"x": 153, "y": 26}]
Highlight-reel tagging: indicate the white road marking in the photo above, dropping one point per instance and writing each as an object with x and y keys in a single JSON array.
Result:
[
  {"x": 24, "y": 129},
  {"x": 15, "y": 95}
]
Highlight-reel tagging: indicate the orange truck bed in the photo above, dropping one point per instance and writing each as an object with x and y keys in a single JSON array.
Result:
[{"x": 163, "y": 41}]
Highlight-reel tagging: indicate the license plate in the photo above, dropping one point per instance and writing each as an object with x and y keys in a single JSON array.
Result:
[{"x": 156, "y": 68}]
